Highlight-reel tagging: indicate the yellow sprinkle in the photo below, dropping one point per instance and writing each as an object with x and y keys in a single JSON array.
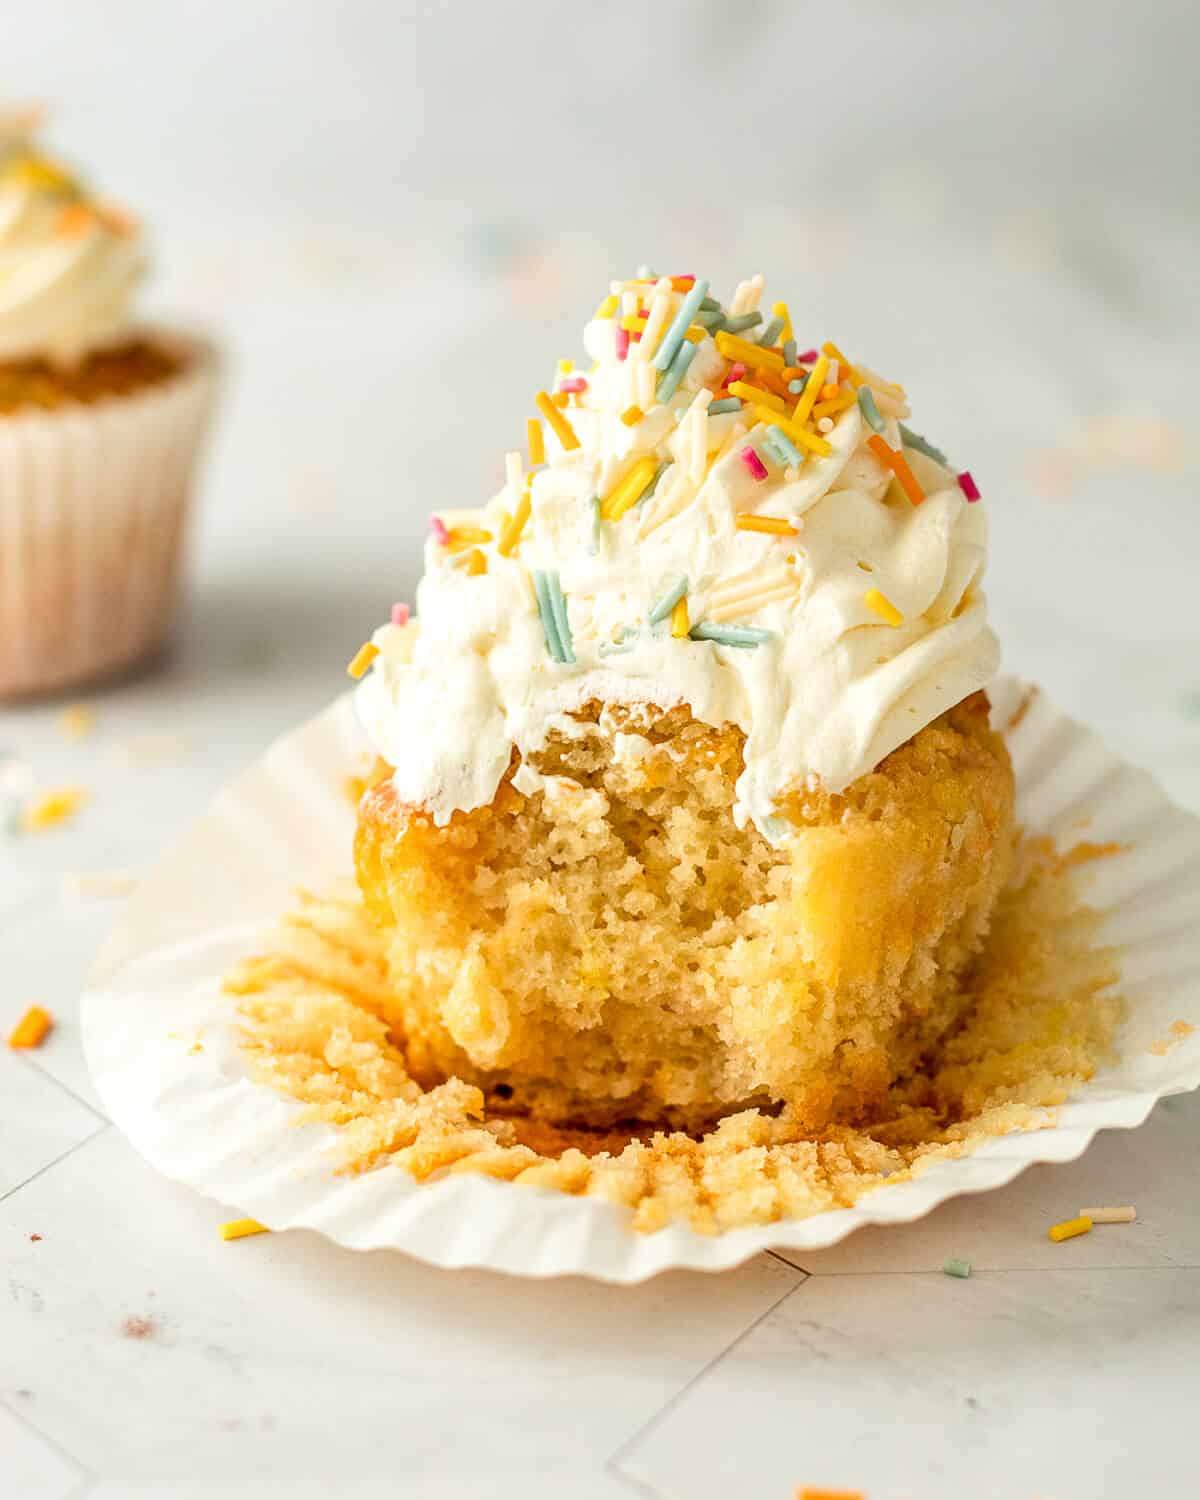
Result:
[
  {"x": 536, "y": 442},
  {"x": 837, "y": 404},
  {"x": 238, "y": 1229},
  {"x": 680, "y": 622},
  {"x": 632, "y": 415},
  {"x": 632, "y": 323},
  {"x": 757, "y": 396},
  {"x": 774, "y": 525},
  {"x": 738, "y": 350},
  {"x": 31, "y": 1029},
  {"x": 565, "y": 366},
  {"x": 37, "y": 172},
  {"x": 780, "y": 310},
  {"x": 476, "y": 562},
  {"x": 607, "y": 308},
  {"x": 1110, "y": 1215},
  {"x": 51, "y": 808},
  {"x": 798, "y": 435},
  {"x": 883, "y": 607},
  {"x": 832, "y": 350},
  {"x": 77, "y": 720},
  {"x": 511, "y": 533},
  {"x": 811, "y": 391},
  {"x": 1069, "y": 1228},
  {"x": 459, "y": 538},
  {"x": 561, "y": 427},
  {"x": 628, "y": 491},
  {"x": 362, "y": 659}
]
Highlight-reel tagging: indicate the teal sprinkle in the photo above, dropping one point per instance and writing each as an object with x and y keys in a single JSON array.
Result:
[
  {"x": 742, "y": 636},
  {"x": 664, "y": 356},
  {"x": 781, "y": 443},
  {"x": 546, "y": 613},
  {"x": 913, "y": 439},
  {"x": 669, "y": 382},
  {"x": 668, "y": 601},
  {"x": 742, "y": 322},
  {"x": 959, "y": 1268},
  {"x": 645, "y": 271},
  {"x": 795, "y": 386},
  {"x": 868, "y": 408},
  {"x": 771, "y": 332},
  {"x": 789, "y": 353},
  {"x": 653, "y": 485},
  {"x": 726, "y": 403},
  {"x": 562, "y": 625}
]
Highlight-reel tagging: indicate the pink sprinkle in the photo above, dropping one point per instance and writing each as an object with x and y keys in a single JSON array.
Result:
[
  {"x": 968, "y": 486},
  {"x": 574, "y": 386},
  {"x": 440, "y": 535},
  {"x": 622, "y": 343},
  {"x": 809, "y": 357},
  {"x": 754, "y": 463},
  {"x": 736, "y": 372},
  {"x": 400, "y": 614}
]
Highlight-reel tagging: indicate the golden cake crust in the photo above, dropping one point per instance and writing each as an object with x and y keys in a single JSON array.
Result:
[
  {"x": 614, "y": 948},
  {"x": 42, "y": 385}
]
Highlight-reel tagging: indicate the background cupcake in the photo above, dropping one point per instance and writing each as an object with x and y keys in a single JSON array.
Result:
[{"x": 101, "y": 422}]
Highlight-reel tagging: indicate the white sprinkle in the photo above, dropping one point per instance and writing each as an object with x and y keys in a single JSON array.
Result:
[{"x": 1125, "y": 1214}]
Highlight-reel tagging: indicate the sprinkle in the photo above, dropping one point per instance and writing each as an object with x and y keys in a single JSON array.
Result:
[
  {"x": 773, "y": 525},
  {"x": 77, "y": 721},
  {"x": 1110, "y": 1215},
  {"x": 239, "y": 1229},
  {"x": 440, "y": 535},
  {"x": 742, "y": 636},
  {"x": 755, "y": 464},
  {"x": 668, "y": 601},
  {"x": 632, "y": 415},
  {"x": 742, "y": 321},
  {"x": 780, "y": 310},
  {"x": 560, "y": 399},
  {"x": 812, "y": 387},
  {"x": 563, "y": 430},
  {"x": 575, "y": 386},
  {"x": 536, "y": 442},
  {"x": 510, "y": 534},
  {"x": 547, "y": 614},
  {"x": 752, "y": 393},
  {"x": 799, "y": 435},
  {"x": 653, "y": 485},
  {"x": 51, "y": 808},
  {"x": 562, "y": 625},
  {"x": 866, "y": 404},
  {"x": 787, "y": 451},
  {"x": 622, "y": 338},
  {"x": 564, "y": 366},
  {"x": 668, "y": 383},
  {"x": 727, "y": 403},
  {"x": 362, "y": 659},
  {"x": 825, "y": 425},
  {"x": 32, "y": 1029},
  {"x": 749, "y": 354},
  {"x": 913, "y": 439},
  {"x": 1069, "y": 1228},
  {"x": 795, "y": 386},
  {"x": 711, "y": 320},
  {"x": 626, "y": 492},
  {"x": 898, "y": 464},
  {"x": 789, "y": 347},
  {"x": 476, "y": 563},
  {"x": 968, "y": 486},
  {"x": 771, "y": 332},
  {"x": 400, "y": 614},
  {"x": 619, "y": 646},
  {"x": 839, "y": 403},
  {"x": 881, "y": 605},
  {"x": 959, "y": 1268},
  {"x": 459, "y": 538},
  {"x": 672, "y": 341},
  {"x": 607, "y": 307},
  {"x": 808, "y": 1493},
  {"x": 680, "y": 620},
  {"x": 597, "y": 534},
  {"x": 832, "y": 350}
]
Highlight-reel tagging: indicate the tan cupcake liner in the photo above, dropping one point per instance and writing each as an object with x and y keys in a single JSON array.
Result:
[{"x": 93, "y": 506}]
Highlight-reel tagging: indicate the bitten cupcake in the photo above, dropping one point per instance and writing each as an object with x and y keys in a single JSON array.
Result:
[
  {"x": 101, "y": 424},
  {"x": 690, "y": 798}
]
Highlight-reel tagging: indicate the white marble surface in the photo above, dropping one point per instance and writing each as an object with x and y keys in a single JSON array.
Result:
[{"x": 383, "y": 210}]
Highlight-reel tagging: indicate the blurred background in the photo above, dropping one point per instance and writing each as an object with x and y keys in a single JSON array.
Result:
[{"x": 396, "y": 216}]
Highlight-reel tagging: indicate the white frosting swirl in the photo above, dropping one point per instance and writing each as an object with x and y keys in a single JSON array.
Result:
[
  {"x": 832, "y": 691},
  {"x": 68, "y": 266}
]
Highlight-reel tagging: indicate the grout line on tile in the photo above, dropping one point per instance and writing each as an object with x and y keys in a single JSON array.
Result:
[
  {"x": 43, "y": 1072},
  {"x": 613, "y": 1463},
  {"x": 101, "y": 1127},
  {"x": 86, "y": 1476}
]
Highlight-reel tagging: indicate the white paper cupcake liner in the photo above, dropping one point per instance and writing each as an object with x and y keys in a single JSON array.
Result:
[
  {"x": 93, "y": 502},
  {"x": 286, "y": 823}
]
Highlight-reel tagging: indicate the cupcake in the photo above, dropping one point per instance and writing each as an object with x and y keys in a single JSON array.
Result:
[
  {"x": 101, "y": 423},
  {"x": 688, "y": 797}
]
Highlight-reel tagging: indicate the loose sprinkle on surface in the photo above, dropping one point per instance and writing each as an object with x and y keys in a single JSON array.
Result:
[
  {"x": 1069, "y": 1228},
  {"x": 32, "y": 1029},
  {"x": 239, "y": 1229},
  {"x": 959, "y": 1268},
  {"x": 52, "y": 807},
  {"x": 357, "y": 666},
  {"x": 808, "y": 1493},
  {"x": 1126, "y": 1214},
  {"x": 881, "y": 605}
]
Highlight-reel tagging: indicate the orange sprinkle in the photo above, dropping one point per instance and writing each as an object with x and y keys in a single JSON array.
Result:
[
  {"x": 459, "y": 538},
  {"x": 773, "y": 382},
  {"x": 898, "y": 464},
  {"x": 808, "y": 1493},
  {"x": 119, "y": 220},
  {"x": 511, "y": 534},
  {"x": 680, "y": 620},
  {"x": 773, "y": 525},
  {"x": 75, "y": 219},
  {"x": 562, "y": 429},
  {"x": 827, "y": 392},
  {"x": 632, "y": 415},
  {"x": 476, "y": 562},
  {"x": 560, "y": 398},
  {"x": 536, "y": 442},
  {"x": 361, "y": 660},
  {"x": 32, "y": 1029}
]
